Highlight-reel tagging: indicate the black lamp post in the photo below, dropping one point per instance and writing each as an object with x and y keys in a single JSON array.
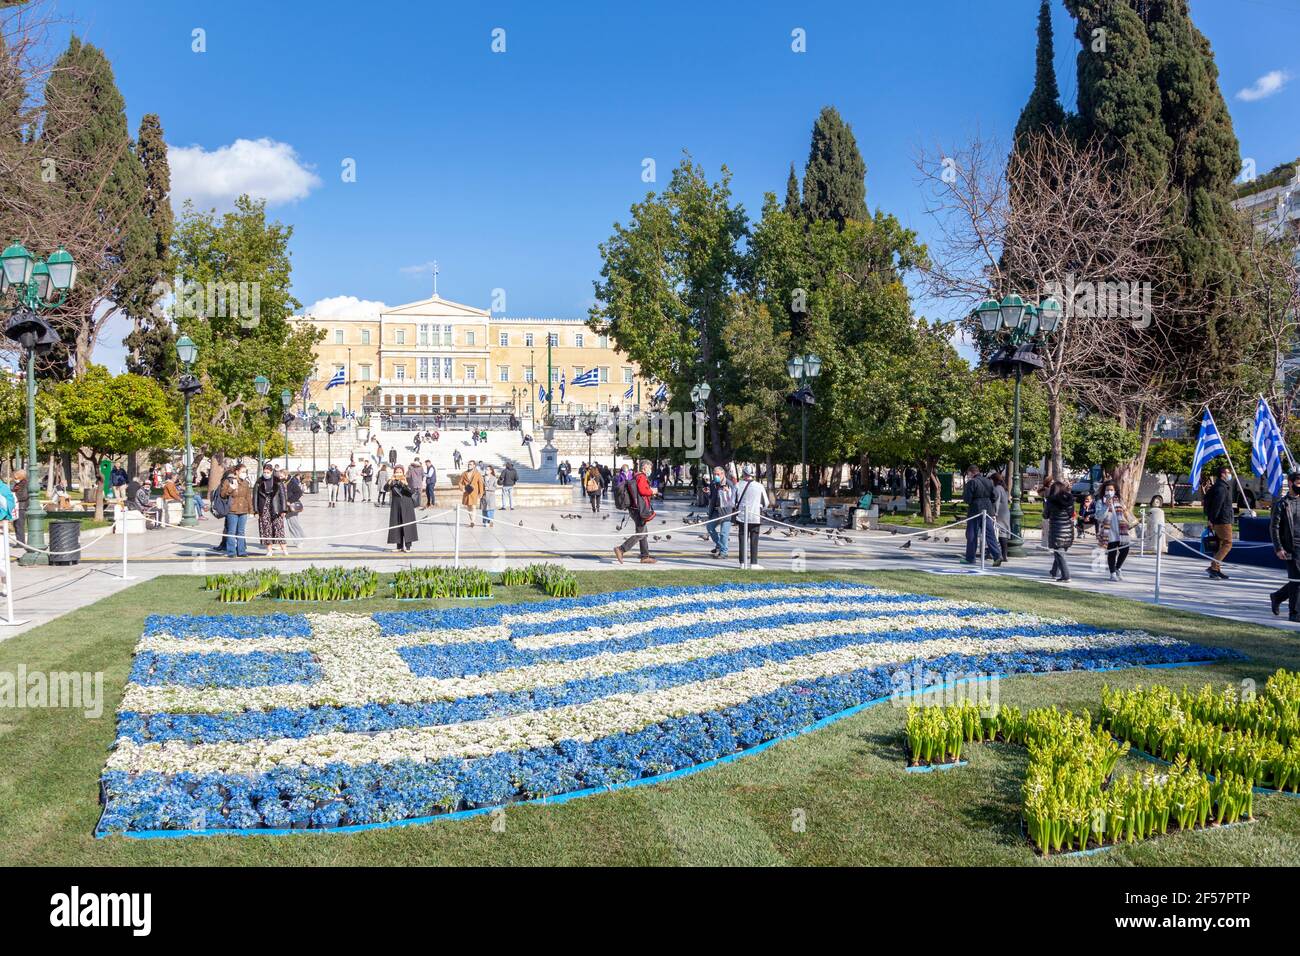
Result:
[
  {"x": 801, "y": 368},
  {"x": 286, "y": 398},
  {"x": 329, "y": 439},
  {"x": 1019, "y": 328},
  {"x": 189, "y": 385},
  {"x": 263, "y": 386},
  {"x": 314, "y": 414},
  {"x": 37, "y": 285}
]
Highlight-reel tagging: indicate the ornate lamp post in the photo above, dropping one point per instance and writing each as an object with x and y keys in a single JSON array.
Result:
[
  {"x": 189, "y": 384},
  {"x": 37, "y": 285},
  {"x": 263, "y": 386},
  {"x": 286, "y": 398},
  {"x": 329, "y": 439},
  {"x": 314, "y": 414},
  {"x": 1019, "y": 328},
  {"x": 801, "y": 368}
]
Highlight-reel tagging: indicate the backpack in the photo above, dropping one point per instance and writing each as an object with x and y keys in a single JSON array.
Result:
[
  {"x": 622, "y": 499},
  {"x": 220, "y": 505}
]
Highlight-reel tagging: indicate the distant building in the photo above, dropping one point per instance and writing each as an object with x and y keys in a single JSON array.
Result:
[{"x": 436, "y": 356}]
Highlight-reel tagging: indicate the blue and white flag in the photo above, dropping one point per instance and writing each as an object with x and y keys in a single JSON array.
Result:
[
  {"x": 628, "y": 393},
  {"x": 306, "y": 391},
  {"x": 561, "y": 386},
  {"x": 285, "y": 722},
  {"x": 1208, "y": 445},
  {"x": 587, "y": 379},
  {"x": 338, "y": 378},
  {"x": 661, "y": 394},
  {"x": 1267, "y": 449}
]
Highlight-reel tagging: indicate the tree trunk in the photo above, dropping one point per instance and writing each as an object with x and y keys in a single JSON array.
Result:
[
  {"x": 929, "y": 487},
  {"x": 1056, "y": 455},
  {"x": 1128, "y": 474}
]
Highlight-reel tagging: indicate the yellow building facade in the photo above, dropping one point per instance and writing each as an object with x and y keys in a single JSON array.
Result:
[{"x": 437, "y": 356}]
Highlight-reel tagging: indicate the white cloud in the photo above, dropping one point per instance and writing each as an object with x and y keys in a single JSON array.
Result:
[
  {"x": 422, "y": 268},
  {"x": 262, "y": 168},
  {"x": 1268, "y": 84},
  {"x": 344, "y": 306}
]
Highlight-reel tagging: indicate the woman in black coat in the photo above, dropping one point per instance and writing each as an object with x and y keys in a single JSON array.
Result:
[
  {"x": 401, "y": 511},
  {"x": 1058, "y": 526}
]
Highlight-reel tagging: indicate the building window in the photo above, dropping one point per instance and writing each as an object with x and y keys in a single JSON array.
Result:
[
  {"x": 604, "y": 341},
  {"x": 555, "y": 375},
  {"x": 399, "y": 336},
  {"x": 424, "y": 370},
  {"x": 469, "y": 337},
  {"x": 365, "y": 373},
  {"x": 503, "y": 339},
  {"x": 528, "y": 409},
  {"x": 471, "y": 372},
  {"x": 604, "y": 375},
  {"x": 338, "y": 336},
  {"x": 627, "y": 375},
  {"x": 446, "y": 337},
  {"x": 553, "y": 339},
  {"x": 365, "y": 336},
  {"x": 528, "y": 374},
  {"x": 603, "y": 407},
  {"x": 446, "y": 369},
  {"x": 528, "y": 340},
  {"x": 577, "y": 370},
  {"x": 504, "y": 373},
  {"x": 577, "y": 339},
  {"x": 399, "y": 372}
]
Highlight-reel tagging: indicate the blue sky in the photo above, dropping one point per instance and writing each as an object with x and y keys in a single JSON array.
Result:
[{"x": 509, "y": 168}]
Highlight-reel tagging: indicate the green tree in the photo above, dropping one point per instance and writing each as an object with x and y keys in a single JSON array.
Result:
[
  {"x": 100, "y": 414},
  {"x": 151, "y": 342},
  {"x": 834, "y": 179},
  {"x": 754, "y": 381},
  {"x": 99, "y": 181},
  {"x": 235, "y": 305},
  {"x": 1099, "y": 440},
  {"x": 1043, "y": 111},
  {"x": 1169, "y": 457},
  {"x": 792, "y": 200}
]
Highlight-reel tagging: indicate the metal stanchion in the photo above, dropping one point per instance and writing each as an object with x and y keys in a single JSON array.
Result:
[
  {"x": 124, "y": 514},
  {"x": 456, "y": 536},
  {"x": 983, "y": 530},
  {"x": 9, "y": 578},
  {"x": 1160, "y": 531}
]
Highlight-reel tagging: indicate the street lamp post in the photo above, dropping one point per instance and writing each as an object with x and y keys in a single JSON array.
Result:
[
  {"x": 37, "y": 284},
  {"x": 286, "y": 398},
  {"x": 263, "y": 386},
  {"x": 313, "y": 413},
  {"x": 329, "y": 439},
  {"x": 801, "y": 368},
  {"x": 1022, "y": 327},
  {"x": 188, "y": 352}
]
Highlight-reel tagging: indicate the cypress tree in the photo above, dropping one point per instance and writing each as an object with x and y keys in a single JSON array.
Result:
[
  {"x": 100, "y": 183},
  {"x": 151, "y": 341},
  {"x": 793, "y": 206},
  {"x": 1043, "y": 110},
  {"x": 834, "y": 180}
]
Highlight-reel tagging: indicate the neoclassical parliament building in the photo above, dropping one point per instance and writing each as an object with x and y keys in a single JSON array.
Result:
[{"x": 436, "y": 356}]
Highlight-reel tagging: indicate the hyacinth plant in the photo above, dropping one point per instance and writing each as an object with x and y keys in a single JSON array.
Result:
[
  {"x": 327, "y": 584},
  {"x": 434, "y": 582},
  {"x": 241, "y": 586},
  {"x": 550, "y": 578},
  {"x": 1255, "y": 738}
]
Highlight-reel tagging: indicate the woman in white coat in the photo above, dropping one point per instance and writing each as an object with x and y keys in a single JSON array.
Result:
[{"x": 751, "y": 499}]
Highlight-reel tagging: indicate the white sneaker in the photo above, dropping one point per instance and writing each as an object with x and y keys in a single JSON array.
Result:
[
  {"x": 1114, "y": 576},
  {"x": 1119, "y": 575},
  {"x": 755, "y": 567}
]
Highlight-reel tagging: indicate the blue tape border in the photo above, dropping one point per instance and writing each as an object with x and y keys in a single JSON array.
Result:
[
  {"x": 1152, "y": 758},
  {"x": 932, "y": 767},
  {"x": 560, "y": 798}
]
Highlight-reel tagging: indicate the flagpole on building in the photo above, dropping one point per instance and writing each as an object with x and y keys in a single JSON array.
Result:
[
  {"x": 550, "y": 386},
  {"x": 1231, "y": 467}
]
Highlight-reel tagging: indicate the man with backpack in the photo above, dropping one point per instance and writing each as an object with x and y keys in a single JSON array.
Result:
[
  {"x": 722, "y": 502},
  {"x": 634, "y": 495}
]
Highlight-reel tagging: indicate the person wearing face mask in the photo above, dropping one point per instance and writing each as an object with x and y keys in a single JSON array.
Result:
[
  {"x": 239, "y": 497},
  {"x": 1284, "y": 529},
  {"x": 270, "y": 502},
  {"x": 1113, "y": 524},
  {"x": 401, "y": 512},
  {"x": 722, "y": 502}
]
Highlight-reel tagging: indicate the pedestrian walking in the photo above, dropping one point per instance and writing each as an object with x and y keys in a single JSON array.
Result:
[
  {"x": 238, "y": 495},
  {"x": 381, "y": 482},
  {"x": 1002, "y": 502},
  {"x": 509, "y": 478},
  {"x": 415, "y": 481},
  {"x": 1217, "y": 504},
  {"x": 430, "y": 483},
  {"x": 401, "y": 512},
  {"x": 1113, "y": 525},
  {"x": 489, "y": 501},
  {"x": 333, "y": 478},
  {"x": 722, "y": 502},
  {"x": 751, "y": 499},
  {"x": 293, "y": 491},
  {"x": 471, "y": 489},
  {"x": 636, "y": 499},
  {"x": 1284, "y": 530},
  {"x": 270, "y": 503},
  {"x": 367, "y": 481},
  {"x": 592, "y": 487},
  {"x": 980, "y": 508},
  {"x": 1058, "y": 526}
]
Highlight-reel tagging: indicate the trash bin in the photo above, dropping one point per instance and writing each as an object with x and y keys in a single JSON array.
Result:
[{"x": 65, "y": 542}]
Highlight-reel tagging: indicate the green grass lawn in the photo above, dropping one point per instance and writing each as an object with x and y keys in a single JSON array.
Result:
[{"x": 845, "y": 781}]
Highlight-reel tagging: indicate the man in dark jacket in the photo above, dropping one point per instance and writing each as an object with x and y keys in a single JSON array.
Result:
[
  {"x": 509, "y": 478},
  {"x": 1218, "y": 515},
  {"x": 978, "y": 495},
  {"x": 1284, "y": 529},
  {"x": 639, "y": 509}
]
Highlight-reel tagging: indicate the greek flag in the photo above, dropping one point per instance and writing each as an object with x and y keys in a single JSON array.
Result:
[
  {"x": 561, "y": 386},
  {"x": 541, "y": 393},
  {"x": 337, "y": 378},
  {"x": 306, "y": 391},
  {"x": 1208, "y": 445},
  {"x": 628, "y": 393},
  {"x": 661, "y": 394},
  {"x": 587, "y": 379},
  {"x": 1267, "y": 448}
]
